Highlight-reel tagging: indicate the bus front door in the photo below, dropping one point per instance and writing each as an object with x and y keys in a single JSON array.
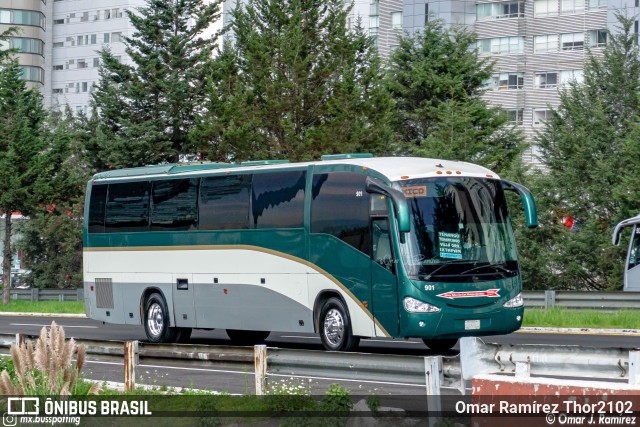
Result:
[
  {"x": 384, "y": 286},
  {"x": 632, "y": 272}
]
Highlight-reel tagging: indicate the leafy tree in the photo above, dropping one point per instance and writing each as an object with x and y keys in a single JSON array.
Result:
[
  {"x": 22, "y": 182},
  {"x": 437, "y": 79},
  {"x": 590, "y": 148},
  {"x": 148, "y": 109},
  {"x": 300, "y": 83},
  {"x": 52, "y": 238}
]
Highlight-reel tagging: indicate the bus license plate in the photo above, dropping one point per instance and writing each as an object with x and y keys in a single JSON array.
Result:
[{"x": 471, "y": 324}]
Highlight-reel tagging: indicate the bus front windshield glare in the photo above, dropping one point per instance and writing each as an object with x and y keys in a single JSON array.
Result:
[{"x": 460, "y": 230}]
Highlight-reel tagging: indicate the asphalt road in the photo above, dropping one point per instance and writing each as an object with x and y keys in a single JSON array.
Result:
[{"x": 235, "y": 378}]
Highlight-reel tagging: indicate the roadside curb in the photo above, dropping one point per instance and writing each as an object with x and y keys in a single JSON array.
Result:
[
  {"x": 578, "y": 331},
  {"x": 69, "y": 315}
]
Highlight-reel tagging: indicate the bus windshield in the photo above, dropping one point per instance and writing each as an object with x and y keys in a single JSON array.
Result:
[{"x": 460, "y": 230}]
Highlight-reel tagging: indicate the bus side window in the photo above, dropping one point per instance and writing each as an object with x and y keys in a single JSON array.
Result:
[
  {"x": 224, "y": 202},
  {"x": 277, "y": 199},
  {"x": 340, "y": 207},
  {"x": 97, "y": 203},
  {"x": 174, "y": 204},
  {"x": 382, "y": 253},
  {"x": 128, "y": 207}
]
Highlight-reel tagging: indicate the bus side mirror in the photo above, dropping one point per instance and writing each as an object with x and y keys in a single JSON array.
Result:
[
  {"x": 616, "y": 234},
  {"x": 530, "y": 210},
  {"x": 397, "y": 198},
  {"x": 615, "y": 238}
]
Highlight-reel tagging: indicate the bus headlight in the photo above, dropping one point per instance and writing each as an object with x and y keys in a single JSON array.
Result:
[
  {"x": 514, "y": 302},
  {"x": 413, "y": 305}
]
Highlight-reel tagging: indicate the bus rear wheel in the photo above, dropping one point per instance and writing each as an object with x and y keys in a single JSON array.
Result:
[
  {"x": 440, "y": 345},
  {"x": 335, "y": 327},
  {"x": 240, "y": 337},
  {"x": 156, "y": 321}
]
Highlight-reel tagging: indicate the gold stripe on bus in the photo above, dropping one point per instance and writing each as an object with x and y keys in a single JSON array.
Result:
[{"x": 249, "y": 248}]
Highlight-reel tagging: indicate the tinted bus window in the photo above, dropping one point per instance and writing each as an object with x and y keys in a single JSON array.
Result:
[
  {"x": 174, "y": 204},
  {"x": 224, "y": 202},
  {"x": 128, "y": 207},
  {"x": 340, "y": 207},
  {"x": 277, "y": 199},
  {"x": 97, "y": 208}
]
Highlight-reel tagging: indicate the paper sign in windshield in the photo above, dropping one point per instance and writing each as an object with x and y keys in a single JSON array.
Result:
[
  {"x": 449, "y": 245},
  {"x": 418, "y": 191}
]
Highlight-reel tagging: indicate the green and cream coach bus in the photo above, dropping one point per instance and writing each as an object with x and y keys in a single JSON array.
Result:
[{"x": 348, "y": 247}]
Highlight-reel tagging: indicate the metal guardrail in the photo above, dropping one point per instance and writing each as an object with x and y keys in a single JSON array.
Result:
[
  {"x": 359, "y": 366},
  {"x": 583, "y": 300},
  {"x": 37, "y": 294},
  {"x": 534, "y": 299},
  {"x": 476, "y": 357},
  {"x": 611, "y": 364},
  {"x": 352, "y": 366}
]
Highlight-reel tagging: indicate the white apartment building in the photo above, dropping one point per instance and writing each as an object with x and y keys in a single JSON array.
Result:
[
  {"x": 80, "y": 29},
  {"x": 383, "y": 20}
]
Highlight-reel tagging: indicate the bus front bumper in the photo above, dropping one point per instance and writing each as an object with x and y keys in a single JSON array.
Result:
[{"x": 456, "y": 325}]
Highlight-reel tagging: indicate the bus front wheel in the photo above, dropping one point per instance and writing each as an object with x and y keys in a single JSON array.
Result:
[
  {"x": 156, "y": 321},
  {"x": 247, "y": 337},
  {"x": 335, "y": 327},
  {"x": 440, "y": 345}
]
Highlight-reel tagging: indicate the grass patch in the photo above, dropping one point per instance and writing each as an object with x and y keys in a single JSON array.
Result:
[
  {"x": 20, "y": 306},
  {"x": 566, "y": 318}
]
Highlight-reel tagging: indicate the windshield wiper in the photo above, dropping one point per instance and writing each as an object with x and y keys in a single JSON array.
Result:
[
  {"x": 495, "y": 265},
  {"x": 443, "y": 265}
]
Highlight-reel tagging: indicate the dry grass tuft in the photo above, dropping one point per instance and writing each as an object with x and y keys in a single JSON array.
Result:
[{"x": 46, "y": 369}]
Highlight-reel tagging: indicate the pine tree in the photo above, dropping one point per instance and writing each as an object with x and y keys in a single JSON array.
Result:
[
  {"x": 303, "y": 85},
  {"x": 437, "y": 79},
  {"x": 590, "y": 147},
  {"x": 22, "y": 182},
  {"x": 51, "y": 240},
  {"x": 226, "y": 128},
  {"x": 148, "y": 109}
]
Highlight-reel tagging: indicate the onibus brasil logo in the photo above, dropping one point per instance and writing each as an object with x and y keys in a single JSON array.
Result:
[{"x": 26, "y": 410}]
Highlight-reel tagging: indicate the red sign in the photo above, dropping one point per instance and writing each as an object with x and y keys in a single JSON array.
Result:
[{"x": 491, "y": 293}]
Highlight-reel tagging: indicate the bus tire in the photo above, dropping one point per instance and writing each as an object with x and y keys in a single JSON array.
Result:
[
  {"x": 335, "y": 327},
  {"x": 241, "y": 337},
  {"x": 156, "y": 320},
  {"x": 441, "y": 344}
]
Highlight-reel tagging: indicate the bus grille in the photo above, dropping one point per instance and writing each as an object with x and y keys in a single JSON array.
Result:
[{"x": 104, "y": 293}]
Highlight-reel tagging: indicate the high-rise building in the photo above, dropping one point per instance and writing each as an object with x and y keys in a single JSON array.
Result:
[
  {"x": 383, "y": 20},
  {"x": 80, "y": 29},
  {"x": 29, "y": 18},
  {"x": 539, "y": 46}
]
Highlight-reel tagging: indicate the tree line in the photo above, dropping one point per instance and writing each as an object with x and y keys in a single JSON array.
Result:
[{"x": 290, "y": 79}]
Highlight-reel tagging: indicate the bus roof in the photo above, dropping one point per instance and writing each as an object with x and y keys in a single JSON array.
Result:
[{"x": 394, "y": 168}]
